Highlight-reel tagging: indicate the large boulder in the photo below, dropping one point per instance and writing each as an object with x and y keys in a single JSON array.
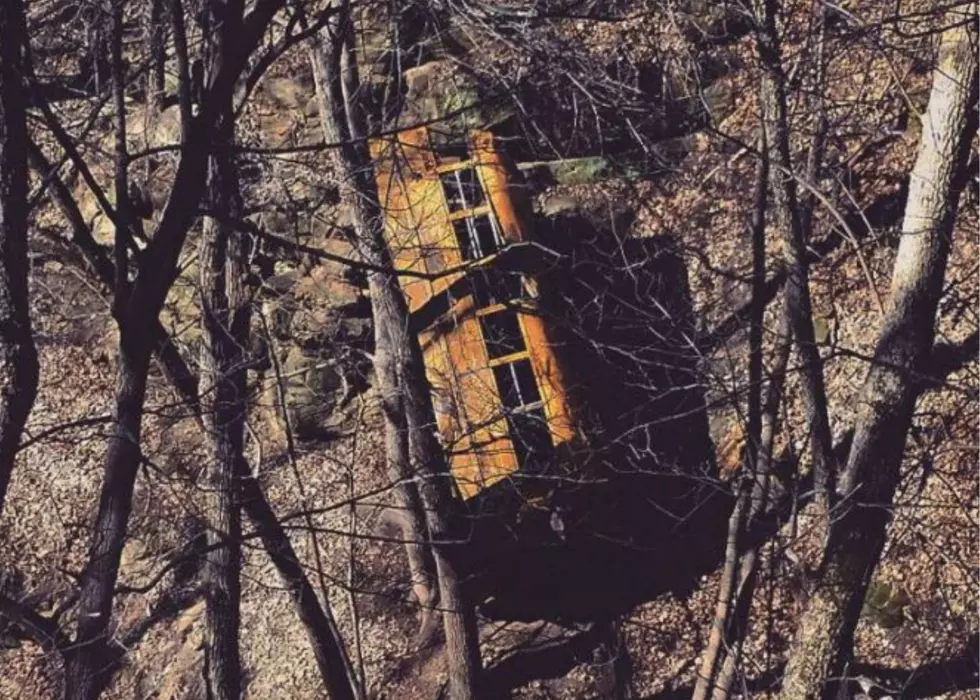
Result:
[
  {"x": 317, "y": 320},
  {"x": 316, "y": 389},
  {"x": 440, "y": 92}
]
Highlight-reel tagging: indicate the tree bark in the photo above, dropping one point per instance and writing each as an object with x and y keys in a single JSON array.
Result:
[
  {"x": 823, "y": 645},
  {"x": 440, "y": 503},
  {"x": 87, "y": 661},
  {"x": 84, "y": 676},
  {"x": 321, "y": 628},
  {"x": 412, "y": 526},
  {"x": 225, "y": 319},
  {"x": 156, "y": 34},
  {"x": 748, "y": 563},
  {"x": 90, "y": 662},
  {"x": 398, "y": 357},
  {"x": 18, "y": 356},
  {"x": 397, "y": 455}
]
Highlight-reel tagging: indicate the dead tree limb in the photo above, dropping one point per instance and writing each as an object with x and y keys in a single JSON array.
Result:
[{"x": 788, "y": 219}]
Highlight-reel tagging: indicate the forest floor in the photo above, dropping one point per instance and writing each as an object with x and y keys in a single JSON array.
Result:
[{"x": 930, "y": 564}]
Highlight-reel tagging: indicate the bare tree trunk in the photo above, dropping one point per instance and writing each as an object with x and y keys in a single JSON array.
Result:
[
  {"x": 413, "y": 529},
  {"x": 458, "y": 614},
  {"x": 123, "y": 212},
  {"x": 789, "y": 221},
  {"x": 222, "y": 401},
  {"x": 397, "y": 457},
  {"x": 18, "y": 357},
  {"x": 90, "y": 663},
  {"x": 88, "y": 659},
  {"x": 718, "y": 640},
  {"x": 328, "y": 645},
  {"x": 321, "y": 629},
  {"x": 225, "y": 318},
  {"x": 754, "y": 505},
  {"x": 823, "y": 645},
  {"x": 156, "y": 34},
  {"x": 723, "y": 657},
  {"x": 398, "y": 357}
]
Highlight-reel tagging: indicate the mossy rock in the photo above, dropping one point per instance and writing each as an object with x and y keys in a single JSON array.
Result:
[
  {"x": 571, "y": 171},
  {"x": 314, "y": 388},
  {"x": 885, "y": 605},
  {"x": 438, "y": 92}
]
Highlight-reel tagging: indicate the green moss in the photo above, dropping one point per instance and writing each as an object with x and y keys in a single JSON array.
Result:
[{"x": 885, "y": 605}]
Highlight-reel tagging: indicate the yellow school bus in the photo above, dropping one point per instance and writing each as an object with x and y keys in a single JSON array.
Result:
[{"x": 451, "y": 219}]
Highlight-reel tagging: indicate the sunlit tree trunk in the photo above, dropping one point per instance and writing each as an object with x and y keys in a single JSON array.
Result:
[
  {"x": 326, "y": 68},
  {"x": 823, "y": 645},
  {"x": 398, "y": 358}
]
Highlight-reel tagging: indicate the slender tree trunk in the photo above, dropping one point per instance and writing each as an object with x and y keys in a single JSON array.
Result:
[
  {"x": 789, "y": 221},
  {"x": 89, "y": 663},
  {"x": 84, "y": 676},
  {"x": 18, "y": 357},
  {"x": 123, "y": 213},
  {"x": 397, "y": 456},
  {"x": 458, "y": 614},
  {"x": 823, "y": 645},
  {"x": 720, "y": 638},
  {"x": 225, "y": 318},
  {"x": 89, "y": 659},
  {"x": 413, "y": 529},
  {"x": 738, "y": 613},
  {"x": 328, "y": 645},
  {"x": 397, "y": 346},
  {"x": 321, "y": 629},
  {"x": 722, "y": 660},
  {"x": 156, "y": 34}
]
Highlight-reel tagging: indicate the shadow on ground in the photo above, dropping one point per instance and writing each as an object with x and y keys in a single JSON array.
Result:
[{"x": 634, "y": 509}]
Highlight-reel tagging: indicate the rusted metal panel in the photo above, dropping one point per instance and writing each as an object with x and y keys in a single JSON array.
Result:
[
  {"x": 400, "y": 164},
  {"x": 494, "y": 179},
  {"x": 456, "y": 439}
]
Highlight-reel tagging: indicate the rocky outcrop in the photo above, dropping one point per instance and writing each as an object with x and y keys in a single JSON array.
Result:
[
  {"x": 317, "y": 323},
  {"x": 440, "y": 91}
]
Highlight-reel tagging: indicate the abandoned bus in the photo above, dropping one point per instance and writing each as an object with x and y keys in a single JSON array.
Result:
[{"x": 497, "y": 389}]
